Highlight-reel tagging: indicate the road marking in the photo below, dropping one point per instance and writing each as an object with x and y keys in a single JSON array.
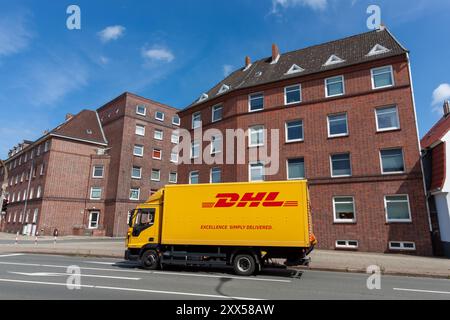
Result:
[
  {"x": 132, "y": 289},
  {"x": 423, "y": 291},
  {"x": 11, "y": 255},
  {"x": 54, "y": 274},
  {"x": 148, "y": 272}
]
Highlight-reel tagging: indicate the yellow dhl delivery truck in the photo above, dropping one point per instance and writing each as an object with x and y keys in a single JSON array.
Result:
[{"x": 237, "y": 224}]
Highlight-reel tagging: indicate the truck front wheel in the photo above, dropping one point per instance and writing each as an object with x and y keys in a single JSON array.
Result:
[
  {"x": 244, "y": 265},
  {"x": 150, "y": 260}
]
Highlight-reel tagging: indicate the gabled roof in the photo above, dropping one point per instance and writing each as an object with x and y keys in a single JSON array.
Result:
[
  {"x": 436, "y": 133},
  {"x": 353, "y": 50}
]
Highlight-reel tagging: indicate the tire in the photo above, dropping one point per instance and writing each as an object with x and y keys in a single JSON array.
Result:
[
  {"x": 150, "y": 260},
  {"x": 244, "y": 265}
]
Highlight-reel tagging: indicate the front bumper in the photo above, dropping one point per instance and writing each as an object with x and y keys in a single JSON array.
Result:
[{"x": 131, "y": 257}]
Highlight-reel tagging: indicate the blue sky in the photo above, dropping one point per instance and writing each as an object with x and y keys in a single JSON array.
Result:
[{"x": 172, "y": 51}]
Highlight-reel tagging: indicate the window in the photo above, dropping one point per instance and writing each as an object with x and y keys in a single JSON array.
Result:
[
  {"x": 96, "y": 193},
  {"x": 134, "y": 193},
  {"x": 255, "y": 102},
  {"x": 31, "y": 194},
  {"x": 41, "y": 172},
  {"x": 397, "y": 208},
  {"x": 159, "y": 115},
  {"x": 340, "y": 165},
  {"x": 196, "y": 120},
  {"x": 402, "y": 245},
  {"x": 256, "y": 172},
  {"x": 38, "y": 153},
  {"x": 35, "y": 215},
  {"x": 256, "y": 136},
  {"x": 174, "y": 157},
  {"x": 337, "y": 125},
  {"x": 140, "y": 130},
  {"x": 46, "y": 148},
  {"x": 158, "y": 135},
  {"x": 97, "y": 172},
  {"x": 22, "y": 176},
  {"x": 136, "y": 172},
  {"x": 292, "y": 94},
  {"x": 138, "y": 150},
  {"x": 175, "y": 138},
  {"x": 216, "y": 175},
  {"x": 295, "y": 69},
  {"x": 157, "y": 154},
  {"x": 347, "y": 244},
  {"x": 141, "y": 110},
  {"x": 296, "y": 169},
  {"x": 294, "y": 131},
  {"x": 392, "y": 161},
  {"x": 193, "y": 177},
  {"x": 387, "y": 118},
  {"x": 344, "y": 209},
  {"x": 195, "y": 149},
  {"x": 93, "y": 219},
  {"x": 156, "y": 175},
  {"x": 217, "y": 113},
  {"x": 38, "y": 193},
  {"x": 382, "y": 77},
  {"x": 176, "y": 120},
  {"x": 216, "y": 144},
  {"x": 24, "y": 196},
  {"x": 334, "y": 86},
  {"x": 173, "y": 176}
]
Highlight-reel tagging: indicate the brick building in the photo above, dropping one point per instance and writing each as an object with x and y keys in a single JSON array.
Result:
[
  {"x": 346, "y": 118},
  {"x": 85, "y": 175}
]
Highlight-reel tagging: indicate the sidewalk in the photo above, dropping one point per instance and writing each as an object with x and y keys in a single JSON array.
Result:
[{"x": 392, "y": 264}]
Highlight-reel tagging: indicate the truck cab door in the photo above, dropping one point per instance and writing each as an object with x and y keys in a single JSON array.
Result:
[{"x": 145, "y": 228}]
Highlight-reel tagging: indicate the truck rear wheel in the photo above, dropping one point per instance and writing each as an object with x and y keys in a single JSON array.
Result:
[
  {"x": 150, "y": 260},
  {"x": 244, "y": 265}
]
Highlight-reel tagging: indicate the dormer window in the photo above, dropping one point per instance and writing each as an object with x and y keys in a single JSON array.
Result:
[
  {"x": 334, "y": 59},
  {"x": 203, "y": 97},
  {"x": 378, "y": 49},
  {"x": 258, "y": 74},
  {"x": 295, "y": 69},
  {"x": 224, "y": 88}
]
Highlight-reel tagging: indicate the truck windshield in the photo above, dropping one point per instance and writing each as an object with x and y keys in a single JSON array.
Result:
[{"x": 145, "y": 217}]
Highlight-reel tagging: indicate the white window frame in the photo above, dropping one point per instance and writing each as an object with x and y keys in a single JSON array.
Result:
[
  {"x": 214, "y": 139},
  {"x": 156, "y": 133},
  {"x": 160, "y": 154},
  {"x": 285, "y": 94},
  {"x": 397, "y": 220},
  {"x": 190, "y": 176},
  {"x": 347, "y": 244},
  {"x": 335, "y": 219},
  {"x": 141, "y": 113},
  {"x": 157, "y": 118},
  {"x": 90, "y": 220},
  {"x": 177, "y": 138},
  {"x": 252, "y": 130},
  {"x": 141, "y": 147},
  {"x": 172, "y": 159},
  {"x": 372, "y": 76},
  {"x": 140, "y": 126},
  {"x": 287, "y": 135},
  {"x": 93, "y": 171},
  {"x": 331, "y": 164},
  {"x": 138, "y": 194},
  {"x": 340, "y": 134},
  {"x": 390, "y": 128},
  {"x": 38, "y": 192},
  {"x": 335, "y": 95},
  {"x": 394, "y": 172},
  {"x": 211, "y": 174},
  {"x": 35, "y": 215},
  {"x": 140, "y": 173},
  {"x": 193, "y": 120},
  {"x": 159, "y": 175},
  {"x": 250, "y": 100},
  {"x": 97, "y": 189},
  {"x": 287, "y": 169},
  {"x": 193, "y": 144},
  {"x": 402, "y": 246},
  {"x": 250, "y": 171},
  {"x": 174, "y": 122},
  {"x": 176, "y": 177},
  {"x": 214, "y": 109}
]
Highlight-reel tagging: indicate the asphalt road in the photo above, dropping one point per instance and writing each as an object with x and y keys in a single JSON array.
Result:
[{"x": 29, "y": 276}]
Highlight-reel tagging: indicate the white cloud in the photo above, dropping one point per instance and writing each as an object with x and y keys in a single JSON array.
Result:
[
  {"x": 227, "y": 69},
  {"x": 15, "y": 35},
  {"x": 111, "y": 33},
  {"x": 158, "y": 54},
  {"x": 104, "y": 60},
  {"x": 440, "y": 94},
  {"x": 313, "y": 4}
]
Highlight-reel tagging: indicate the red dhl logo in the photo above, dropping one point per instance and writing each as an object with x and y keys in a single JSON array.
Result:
[{"x": 252, "y": 200}]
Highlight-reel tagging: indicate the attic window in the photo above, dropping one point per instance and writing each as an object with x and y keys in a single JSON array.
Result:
[
  {"x": 378, "y": 49},
  {"x": 295, "y": 69},
  {"x": 334, "y": 59},
  {"x": 203, "y": 97},
  {"x": 224, "y": 88},
  {"x": 258, "y": 74},
  {"x": 89, "y": 131}
]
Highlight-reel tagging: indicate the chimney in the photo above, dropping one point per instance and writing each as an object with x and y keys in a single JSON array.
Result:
[
  {"x": 248, "y": 62},
  {"x": 69, "y": 116},
  {"x": 275, "y": 53},
  {"x": 446, "y": 108}
]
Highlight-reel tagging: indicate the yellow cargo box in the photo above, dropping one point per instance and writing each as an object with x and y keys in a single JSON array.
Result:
[{"x": 267, "y": 214}]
